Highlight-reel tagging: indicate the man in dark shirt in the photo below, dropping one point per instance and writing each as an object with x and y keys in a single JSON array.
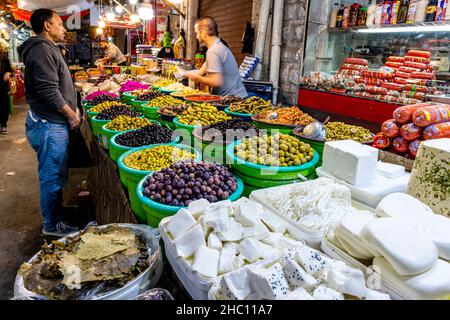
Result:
[{"x": 53, "y": 112}]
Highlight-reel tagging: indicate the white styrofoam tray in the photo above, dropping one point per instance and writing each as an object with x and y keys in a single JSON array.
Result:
[{"x": 373, "y": 194}]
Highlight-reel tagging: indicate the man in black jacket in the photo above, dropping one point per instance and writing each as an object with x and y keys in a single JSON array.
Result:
[{"x": 53, "y": 112}]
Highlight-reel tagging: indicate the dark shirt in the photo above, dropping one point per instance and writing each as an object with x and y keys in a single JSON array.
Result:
[
  {"x": 163, "y": 54},
  {"x": 5, "y": 67}
]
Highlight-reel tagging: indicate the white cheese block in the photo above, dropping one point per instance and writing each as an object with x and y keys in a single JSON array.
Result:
[
  {"x": 350, "y": 161},
  {"x": 407, "y": 250},
  {"x": 286, "y": 242},
  {"x": 352, "y": 248},
  {"x": 190, "y": 241},
  {"x": 227, "y": 256},
  {"x": 249, "y": 213},
  {"x": 251, "y": 249},
  {"x": 232, "y": 246},
  {"x": 310, "y": 259},
  {"x": 259, "y": 231},
  {"x": 180, "y": 223},
  {"x": 322, "y": 292},
  {"x": 272, "y": 239},
  {"x": 222, "y": 204},
  {"x": 431, "y": 169},
  {"x": 432, "y": 284},
  {"x": 299, "y": 294},
  {"x": 272, "y": 222},
  {"x": 297, "y": 277},
  {"x": 235, "y": 231},
  {"x": 206, "y": 261},
  {"x": 198, "y": 207},
  {"x": 288, "y": 254},
  {"x": 347, "y": 280},
  {"x": 269, "y": 283},
  {"x": 217, "y": 220},
  {"x": 375, "y": 295},
  {"x": 214, "y": 241},
  {"x": 389, "y": 170},
  {"x": 235, "y": 286},
  {"x": 401, "y": 205},
  {"x": 238, "y": 262}
]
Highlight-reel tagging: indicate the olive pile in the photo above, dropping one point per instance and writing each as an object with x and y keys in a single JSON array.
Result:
[
  {"x": 103, "y": 98},
  {"x": 253, "y": 105},
  {"x": 106, "y": 105},
  {"x": 114, "y": 112},
  {"x": 184, "y": 182},
  {"x": 173, "y": 111},
  {"x": 227, "y": 100},
  {"x": 149, "y": 95},
  {"x": 341, "y": 131},
  {"x": 152, "y": 134},
  {"x": 157, "y": 158},
  {"x": 165, "y": 101},
  {"x": 124, "y": 123},
  {"x": 232, "y": 129},
  {"x": 202, "y": 115},
  {"x": 279, "y": 150}
]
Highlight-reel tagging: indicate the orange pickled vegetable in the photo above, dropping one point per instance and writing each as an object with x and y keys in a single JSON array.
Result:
[{"x": 287, "y": 116}]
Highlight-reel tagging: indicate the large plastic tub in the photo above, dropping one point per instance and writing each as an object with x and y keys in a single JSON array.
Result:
[
  {"x": 157, "y": 211},
  {"x": 282, "y": 128},
  {"x": 127, "y": 97},
  {"x": 212, "y": 151},
  {"x": 186, "y": 132},
  {"x": 131, "y": 177},
  {"x": 244, "y": 116},
  {"x": 266, "y": 172},
  {"x": 146, "y": 280},
  {"x": 137, "y": 105},
  {"x": 116, "y": 150},
  {"x": 149, "y": 111},
  {"x": 97, "y": 127}
]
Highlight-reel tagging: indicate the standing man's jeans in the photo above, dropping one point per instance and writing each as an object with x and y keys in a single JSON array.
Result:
[{"x": 50, "y": 141}]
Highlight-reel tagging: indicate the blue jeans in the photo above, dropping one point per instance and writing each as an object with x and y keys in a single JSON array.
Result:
[{"x": 50, "y": 141}]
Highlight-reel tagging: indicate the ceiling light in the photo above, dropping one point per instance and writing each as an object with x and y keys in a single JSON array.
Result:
[
  {"x": 176, "y": 1},
  {"x": 101, "y": 23},
  {"x": 99, "y": 31},
  {"x": 145, "y": 11},
  {"x": 119, "y": 9},
  {"x": 133, "y": 1},
  {"x": 443, "y": 28},
  {"x": 110, "y": 16}
]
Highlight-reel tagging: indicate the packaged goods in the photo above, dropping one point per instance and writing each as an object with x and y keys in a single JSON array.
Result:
[
  {"x": 404, "y": 114},
  {"x": 401, "y": 74},
  {"x": 394, "y": 64},
  {"x": 378, "y": 74},
  {"x": 417, "y": 59},
  {"x": 202, "y": 115},
  {"x": 376, "y": 90},
  {"x": 148, "y": 135},
  {"x": 394, "y": 12},
  {"x": 114, "y": 112},
  {"x": 381, "y": 141},
  {"x": 415, "y": 88},
  {"x": 400, "y": 145},
  {"x": 347, "y": 72},
  {"x": 410, "y": 132},
  {"x": 391, "y": 128},
  {"x": 437, "y": 131},
  {"x": 410, "y": 18},
  {"x": 253, "y": 105},
  {"x": 124, "y": 123},
  {"x": 393, "y": 93},
  {"x": 414, "y": 95},
  {"x": 429, "y": 115},
  {"x": 387, "y": 9},
  {"x": 157, "y": 158},
  {"x": 417, "y": 65},
  {"x": 414, "y": 147},
  {"x": 418, "y": 53},
  {"x": 389, "y": 98},
  {"x": 355, "y": 61},
  {"x": 396, "y": 59},
  {"x": 400, "y": 81},
  {"x": 441, "y": 10},
  {"x": 393, "y": 86},
  {"x": 423, "y": 75},
  {"x": 368, "y": 81},
  {"x": 408, "y": 101},
  {"x": 408, "y": 69},
  {"x": 353, "y": 66},
  {"x": 419, "y": 82},
  {"x": 287, "y": 116}
]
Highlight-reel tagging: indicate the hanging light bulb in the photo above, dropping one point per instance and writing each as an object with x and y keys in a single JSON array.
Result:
[
  {"x": 119, "y": 9},
  {"x": 99, "y": 31},
  {"x": 134, "y": 18},
  {"x": 101, "y": 23},
  {"x": 110, "y": 16},
  {"x": 145, "y": 12},
  {"x": 133, "y": 2}
]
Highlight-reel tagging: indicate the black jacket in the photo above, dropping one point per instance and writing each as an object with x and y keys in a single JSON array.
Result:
[{"x": 48, "y": 83}]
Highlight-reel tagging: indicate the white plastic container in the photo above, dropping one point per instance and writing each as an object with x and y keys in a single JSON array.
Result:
[
  {"x": 146, "y": 280},
  {"x": 373, "y": 194}
]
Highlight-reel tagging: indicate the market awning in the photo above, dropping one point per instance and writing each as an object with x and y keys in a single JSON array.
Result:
[{"x": 25, "y": 8}]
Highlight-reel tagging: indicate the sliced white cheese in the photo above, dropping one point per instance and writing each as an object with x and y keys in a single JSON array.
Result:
[
  {"x": 273, "y": 223},
  {"x": 217, "y": 220},
  {"x": 352, "y": 248},
  {"x": 286, "y": 242},
  {"x": 401, "y": 205},
  {"x": 375, "y": 295},
  {"x": 214, "y": 241},
  {"x": 322, "y": 292},
  {"x": 226, "y": 259},
  {"x": 251, "y": 249},
  {"x": 433, "y": 284},
  {"x": 389, "y": 170},
  {"x": 180, "y": 223},
  {"x": 297, "y": 277},
  {"x": 299, "y": 294},
  {"x": 269, "y": 283},
  {"x": 249, "y": 213},
  {"x": 238, "y": 262},
  {"x": 235, "y": 286},
  {"x": 259, "y": 231},
  {"x": 272, "y": 239},
  {"x": 347, "y": 280},
  {"x": 407, "y": 250},
  {"x": 206, "y": 261},
  {"x": 190, "y": 241},
  {"x": 235, "y": 231},
  {"x": 310, "y": 259},
  {"x": 198, "y": 207}
]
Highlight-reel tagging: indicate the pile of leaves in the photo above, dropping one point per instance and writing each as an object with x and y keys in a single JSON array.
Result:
[{"x": 96, "y": 261}]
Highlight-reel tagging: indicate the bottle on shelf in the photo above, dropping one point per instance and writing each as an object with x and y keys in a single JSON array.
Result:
[
  {"x": 345, "y": 16},
  {"x": 403, "y": 12},
  {"x": 334, "y": 14},
  {"x": 412, "y": 10},
  {"x": 387, "y": 7},
  {"x": 340, "y": 16},
  {"x": 370, "y": 21},
  {"x": 353, "y": 15},
  {"x": 431, "y": 10},
  {"x": 379, "y": 12},
  {"x": 441, "y": 10},
  {"x": 447, "y": 14},
  {"x": 394, "y": 12},
  {"x": 421, "y": 12},
  {"x": 362, "y": 16}
]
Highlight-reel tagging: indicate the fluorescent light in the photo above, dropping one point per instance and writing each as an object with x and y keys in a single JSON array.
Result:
[
  {"x": 145, "y": 12},
  {"x": 133, "y": 1},
  {"x": 119, "y": 9},
  {"x": 445, "y": 28}
]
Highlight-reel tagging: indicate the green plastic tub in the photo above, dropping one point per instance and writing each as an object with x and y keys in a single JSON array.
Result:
[
  {"x": 131, "y": 177},
  {"x": 167, "y": 91},
  {"x": 157, "y": 211},
  {"x": 106, "y": 134},
  {"x": 87, "y": 106},
  {"x": 150, "y": 112},
  {"x": 266, "y": 172},
  {"x": 284, "y": 129},
  {"x": 91, "y": 114},
  {"x": 127, "y": 97},
  {"x": 244, "y": 116},
  {"x": 97, "y": 127},
  {"x": 137, "y": 105},
  {"x": 116, "y": 150},
  {"x": 186, "y": 132}
]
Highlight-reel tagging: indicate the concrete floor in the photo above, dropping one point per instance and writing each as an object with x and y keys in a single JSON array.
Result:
[{"x": 20, "y": 219}]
